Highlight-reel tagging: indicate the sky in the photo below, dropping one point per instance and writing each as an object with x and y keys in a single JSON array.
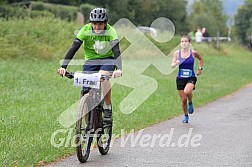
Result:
[{"x": 230, "y": 6}]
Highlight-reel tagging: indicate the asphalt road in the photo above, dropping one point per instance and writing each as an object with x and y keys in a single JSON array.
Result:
[{"x": 218, "y": 134}]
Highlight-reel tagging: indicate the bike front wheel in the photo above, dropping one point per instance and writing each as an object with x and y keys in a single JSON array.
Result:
[
  {"x": 84, "y": 134},
  {"x": 104, "y": 138}
]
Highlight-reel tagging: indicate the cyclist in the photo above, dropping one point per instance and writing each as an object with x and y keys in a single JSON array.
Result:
[
  {"x": 186, "y": 78},
  {"x": 102, "y": 53}
]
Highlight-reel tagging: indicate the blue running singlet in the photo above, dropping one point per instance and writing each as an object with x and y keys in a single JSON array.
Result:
[{"x": 186, "y": 68}]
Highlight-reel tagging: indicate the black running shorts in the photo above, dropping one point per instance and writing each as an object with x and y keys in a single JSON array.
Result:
[{"x": 181, "y": 82}]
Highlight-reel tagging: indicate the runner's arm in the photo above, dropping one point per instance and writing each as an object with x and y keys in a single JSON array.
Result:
[
  {"x": 199, "y": 57},
  {"x": 175, "y": 60},
  {"x": 201, "y": 63}
]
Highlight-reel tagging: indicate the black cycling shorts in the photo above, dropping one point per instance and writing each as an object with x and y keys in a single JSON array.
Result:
[
  {"x": 106, "y": 64},
  {"x": 94, "y": 66},
  {"x": 181, "y": 82}
]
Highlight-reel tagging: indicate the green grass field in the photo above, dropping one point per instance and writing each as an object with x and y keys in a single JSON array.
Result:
[{"x": 33, "y": 96}]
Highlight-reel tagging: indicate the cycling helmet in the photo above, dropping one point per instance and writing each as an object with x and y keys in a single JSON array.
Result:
[{"x": 98, "y": 15}]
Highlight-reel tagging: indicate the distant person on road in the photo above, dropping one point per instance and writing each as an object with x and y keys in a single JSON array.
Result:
[
  {"x": 198, "y": 36},
  {"x": 186, "y": 79}
]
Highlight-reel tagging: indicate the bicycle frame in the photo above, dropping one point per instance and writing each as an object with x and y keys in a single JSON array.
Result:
[
  {"x": 93, "y": 122},
  {"x": 97, "y": 105}
]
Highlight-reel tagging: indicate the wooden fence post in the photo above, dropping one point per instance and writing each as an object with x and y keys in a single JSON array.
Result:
[{"x": 218, "y": 40}]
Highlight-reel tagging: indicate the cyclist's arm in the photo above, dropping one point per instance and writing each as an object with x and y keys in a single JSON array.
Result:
[
  {"x": 71, "y": 52},
  {"x": 117, "y": 54}
]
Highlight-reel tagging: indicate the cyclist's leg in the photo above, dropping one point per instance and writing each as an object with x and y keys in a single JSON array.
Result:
[
  {"x": 105, "y": 136},
  {"x": 107, "y": 68},
  {"x": 106, "y": 88}
]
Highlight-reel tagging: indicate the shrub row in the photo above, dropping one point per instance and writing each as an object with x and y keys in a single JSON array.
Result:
[{"x": 34, "y": 9}]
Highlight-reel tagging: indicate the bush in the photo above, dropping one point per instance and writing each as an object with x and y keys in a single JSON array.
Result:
[
  {"x": 9, "y": 11},
  {"x": 38, "y": 6},
  {"x": 39, "y": 37},
  {"x": 68, "y": 13},
  {"x": 37, "y": 13},
  {"x": 85, "y": 9},
  {"x": 60, "y": 11}
]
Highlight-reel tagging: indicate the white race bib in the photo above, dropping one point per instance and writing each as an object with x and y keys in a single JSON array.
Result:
[
  {"x": 185, "y": 73},
  {"x": 87, "y": 80}
]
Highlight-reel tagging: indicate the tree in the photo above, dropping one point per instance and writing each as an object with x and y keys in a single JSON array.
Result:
[
  {"x": 140, "y": 12},
  {"x": 243, "y": 22},
  {"x": 63, "y": 2},
  {"x": 209, "y": 14},
  {"x": 143, "y": 12}
]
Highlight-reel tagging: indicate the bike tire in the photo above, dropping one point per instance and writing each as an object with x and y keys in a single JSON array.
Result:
[
  {"x": 104, "y": 136},
  {"x": 83, "y": 136}
]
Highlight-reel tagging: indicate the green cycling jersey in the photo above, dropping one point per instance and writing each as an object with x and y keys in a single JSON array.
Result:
[{"x": 97, "y": 46}]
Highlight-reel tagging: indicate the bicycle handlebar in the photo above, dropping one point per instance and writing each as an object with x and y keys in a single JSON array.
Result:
[{"x": 69, "y": 75}]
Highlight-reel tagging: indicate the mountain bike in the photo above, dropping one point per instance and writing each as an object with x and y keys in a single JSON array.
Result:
[{"x": 90, "y": 122}]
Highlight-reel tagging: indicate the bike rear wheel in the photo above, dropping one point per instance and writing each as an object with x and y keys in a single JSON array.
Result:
[
  {"x": 104, "y": 136},
  {"x": 84, "y": 134}
]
